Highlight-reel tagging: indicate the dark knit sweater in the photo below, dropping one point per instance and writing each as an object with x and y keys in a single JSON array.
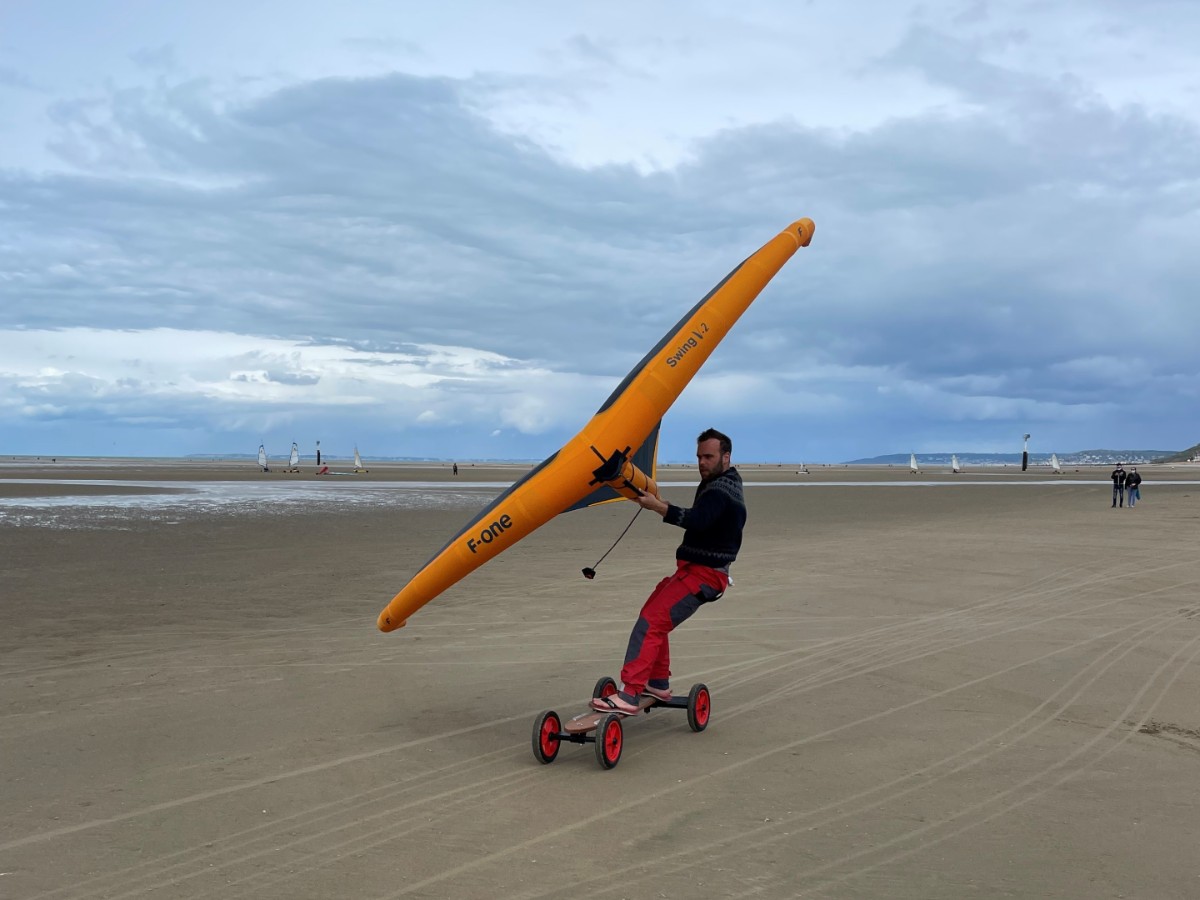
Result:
[{"x": 713, "y": 526}]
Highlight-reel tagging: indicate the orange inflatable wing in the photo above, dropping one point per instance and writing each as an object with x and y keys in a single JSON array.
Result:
[
  {"x": 601, "y": 463},
  {"x": 644, "y": 461}
]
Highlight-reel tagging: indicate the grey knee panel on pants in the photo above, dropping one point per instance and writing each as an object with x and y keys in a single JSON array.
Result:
[
  {"x": 680, "y": 612},
  {"x": 683, "y": 610}
]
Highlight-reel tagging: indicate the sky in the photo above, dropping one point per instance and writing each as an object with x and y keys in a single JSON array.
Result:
[{"x": 449, "y": 230}]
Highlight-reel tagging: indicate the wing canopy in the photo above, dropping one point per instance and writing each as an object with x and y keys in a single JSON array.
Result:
[{"x": 627, "y": 424}]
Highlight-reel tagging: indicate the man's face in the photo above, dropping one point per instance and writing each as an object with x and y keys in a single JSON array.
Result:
[{"x": 710, "y": 460}]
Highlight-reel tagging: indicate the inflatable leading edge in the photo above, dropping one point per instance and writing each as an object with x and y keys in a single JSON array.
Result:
[{"x": 610, "y": 456}]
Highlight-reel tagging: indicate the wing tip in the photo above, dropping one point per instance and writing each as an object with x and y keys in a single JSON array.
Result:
[
  {"x": 386, "y": 623},
  {"x": 802, "y": 231}
]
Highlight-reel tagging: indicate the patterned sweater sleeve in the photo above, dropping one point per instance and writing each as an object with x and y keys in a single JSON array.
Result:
[{"x": 708, "y": 508}]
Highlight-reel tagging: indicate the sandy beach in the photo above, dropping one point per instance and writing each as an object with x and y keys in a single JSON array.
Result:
[{"x": 924, "y": 686}]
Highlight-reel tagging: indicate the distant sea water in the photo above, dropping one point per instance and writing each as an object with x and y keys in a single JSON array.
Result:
[
  {"x": 126, "y": 504},
  {"x": 67, "y": 503}
]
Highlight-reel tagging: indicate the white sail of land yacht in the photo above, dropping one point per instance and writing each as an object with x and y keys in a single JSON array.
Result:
[
  {"x": 358, "y": 463},
  {"x": 1054, "y": 464},
  {"x": 262, "y": 458},
  {"x": 912, "y": 463},
  {"x": 954, "y": 466},
  {"x": 294, "y": 459}
]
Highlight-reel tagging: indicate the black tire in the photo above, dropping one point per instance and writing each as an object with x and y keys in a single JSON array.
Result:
[
  {"x": 545, "y": 736},
  {"x": 605, "y": 687},
  {"x": 699, "y": 707},
  {"x": 610, "y": 740}
]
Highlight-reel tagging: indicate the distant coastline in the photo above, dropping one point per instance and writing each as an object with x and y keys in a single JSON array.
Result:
[{"x": 1076, "y": 458}]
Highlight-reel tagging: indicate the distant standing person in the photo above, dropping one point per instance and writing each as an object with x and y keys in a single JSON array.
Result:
[
  {"x": 1133, "y": 486},
  {"x": 1118, "y": 480},
  {"x": 456, "y": 468}
]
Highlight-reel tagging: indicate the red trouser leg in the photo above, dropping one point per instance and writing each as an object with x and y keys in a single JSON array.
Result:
[{"x": 673, "y": 600}]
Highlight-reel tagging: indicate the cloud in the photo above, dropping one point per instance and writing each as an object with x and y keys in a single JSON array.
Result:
[
  {"x": 221, "y": 382},
  {"x": 161, "y": 58},
  {"x": 383, "y": 46},
  {"x": 1009, "y": 256},
  {"x": 16, "y": 80}
]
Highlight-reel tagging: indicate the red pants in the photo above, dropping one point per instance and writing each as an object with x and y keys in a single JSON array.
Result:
[{"x": 676, "y": 597}]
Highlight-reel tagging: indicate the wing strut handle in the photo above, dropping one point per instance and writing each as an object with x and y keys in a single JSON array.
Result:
[{"x": 620, "y": 474}]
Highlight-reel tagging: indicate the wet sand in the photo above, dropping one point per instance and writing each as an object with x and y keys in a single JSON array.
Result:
[{"x": 918, "y": 692}]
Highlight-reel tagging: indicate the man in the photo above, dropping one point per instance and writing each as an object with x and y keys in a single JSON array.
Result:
[
  {"x": 1118, "y": 480},
  {"x": 1133, "y": 489},
  {"x": 711, "y": 539}
]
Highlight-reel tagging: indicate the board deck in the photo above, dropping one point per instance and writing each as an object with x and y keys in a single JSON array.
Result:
[{"x": 585, "y": 722}]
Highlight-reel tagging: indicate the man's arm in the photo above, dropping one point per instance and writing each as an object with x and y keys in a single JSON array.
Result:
[
  {"x": 652, "y": 503},
  {"x": 707, "y": 509}
]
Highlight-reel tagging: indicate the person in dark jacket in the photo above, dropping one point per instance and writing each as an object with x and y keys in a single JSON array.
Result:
[
  {"x": 1133, "y": 486},
  {"x": 1118, "y": 479},
  {"x": 712, "y": 537}
]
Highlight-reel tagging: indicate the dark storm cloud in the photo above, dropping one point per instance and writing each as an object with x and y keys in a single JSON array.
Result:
[
  {"x": 1011, "y": 257},
  {"x": 340, "y": 208},
  {"x": 1035, "y": 227}
]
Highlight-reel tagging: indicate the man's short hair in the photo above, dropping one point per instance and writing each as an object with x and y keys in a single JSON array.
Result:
[{"x": 709, "y": 433}]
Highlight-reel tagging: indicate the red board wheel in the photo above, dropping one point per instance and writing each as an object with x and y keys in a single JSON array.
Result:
[
  {"x": 699, "y": 707},
  {"x": 605, "y": 687},
  {"x": 610, "y": 737},
  {"x": 546, "y": 729}
]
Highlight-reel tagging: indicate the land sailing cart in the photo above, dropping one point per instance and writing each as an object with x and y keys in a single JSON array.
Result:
[{"x": 605, "y": 730}]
